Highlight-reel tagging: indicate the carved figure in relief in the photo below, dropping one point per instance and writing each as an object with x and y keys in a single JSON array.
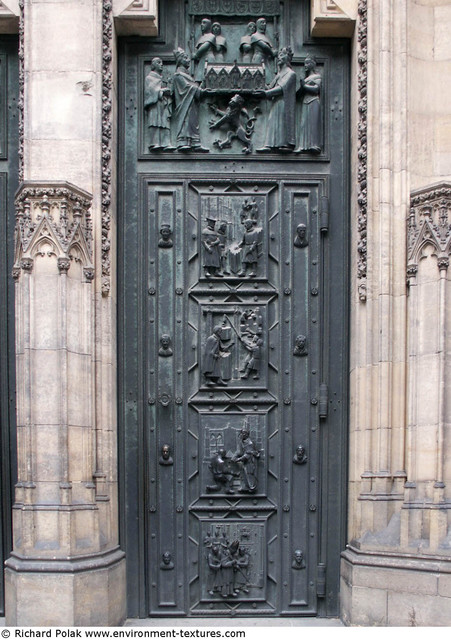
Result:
[
  {"x": 214, "y": 350},
  {"x": 301, "y": 239},
  {"x": 166, "y": 563},
  {"x": 263, "y": 49},
  {"x": 281, "y": 127},
  {"x": 228, "y": 564},
  {"x": 246, "y": 45},
  {"x": 221, "y": 472},
  {"x": 220, "y": 42},
  {"x": 300, "y": 457},
  {"x": 311, "y": 122},
  {"x": 165, "y": 457},
  {"x": 223, "y": 249},
  {"x": 165, "y": 346},
  {"x": 298, "y": 561},
  {"x": 185, "y": 117},
  {"x": 247, "y": 457},
  {"x": 241, "y": 580},
  {"x": 250, "y": 246},
  {"x": 253, "y": 360},
  {"x": 237, "y": 119},
  {"x": 157, "y": 106},
  {"x": 205, "y": 49},
  {"x": 166, "y": 236},
  {"x": 214, "y": 562},
  {"x": 211, "y": 254},
  {"x": 300, "y": 346}
]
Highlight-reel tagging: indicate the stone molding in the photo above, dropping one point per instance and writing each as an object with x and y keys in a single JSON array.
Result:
[
  {"x": 429, "y": 223},
  {"x": 9, "y": 16},
  {"x": 53, "y": 219},
  {"x": 101, "y": 560},
  {"x": 331, "y": 19},
  {"x": 137, "y": 18},
  {"x": 362, "y": 137},
  {"x": 107, "y": 141}
]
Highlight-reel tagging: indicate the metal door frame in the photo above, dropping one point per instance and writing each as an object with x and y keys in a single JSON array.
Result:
[
  {"x": 333, "y": 431},
  {"x": 9, "y": 165}
]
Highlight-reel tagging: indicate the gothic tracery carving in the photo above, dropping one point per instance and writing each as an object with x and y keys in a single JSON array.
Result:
[
  {"x": 53, "y": 221},
  {"x": 429, "y": 223}
]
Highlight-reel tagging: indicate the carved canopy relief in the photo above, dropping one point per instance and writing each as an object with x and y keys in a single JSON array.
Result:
[
  {"x": 138, "y": 17},
  {"x": 429, "y": 224},
  {"x": 333, "y": 19},
  {"x": 53, "y": 220}
]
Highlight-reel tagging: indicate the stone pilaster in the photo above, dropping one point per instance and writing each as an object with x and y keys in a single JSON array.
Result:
[
  {"x": 66, "y": 527},
  {"x": 427, "y": 504},
  {"x": 396, "y": 568}
]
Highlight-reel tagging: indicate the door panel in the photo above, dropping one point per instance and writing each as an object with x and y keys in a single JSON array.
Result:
[
  {"x": 8, "y": 184},
  {"x": 232, "y": 327}
]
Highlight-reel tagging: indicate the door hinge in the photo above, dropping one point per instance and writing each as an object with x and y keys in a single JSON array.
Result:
[
  {"x": 321, "y": 580},
  {"x": 323, "y": 401},
  {"x": 324, "y": 214}
]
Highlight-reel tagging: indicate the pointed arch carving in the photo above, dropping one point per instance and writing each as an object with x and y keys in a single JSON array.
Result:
[
  {"x": 52, "y": 220},
  {"x": 429, "y": 223}
]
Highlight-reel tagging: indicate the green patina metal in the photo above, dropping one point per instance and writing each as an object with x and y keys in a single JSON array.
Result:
[{"x": 233, "y": 282}]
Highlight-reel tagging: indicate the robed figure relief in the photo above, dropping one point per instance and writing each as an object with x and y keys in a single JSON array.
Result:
[
  {"x": 186, "y": 100},
  {"x": 247, "y": 457},
  {"x": 246, "y": 46},
  {"x": 205, "y": 49},
  {"x": 281, "y": 127},
  {"x": 215, "y": 349},
  {"x": 157, "y": 104},
  {"x": 310, "y": 90},
  {"x": 220, "y": 49},
  {"x": 211, "y": 249},
  {"x": 262, "y": 47}
]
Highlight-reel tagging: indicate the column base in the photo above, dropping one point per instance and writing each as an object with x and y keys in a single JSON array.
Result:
[
  {"x": 395, "y": 589},
  {"x": 88, "y": 591}
]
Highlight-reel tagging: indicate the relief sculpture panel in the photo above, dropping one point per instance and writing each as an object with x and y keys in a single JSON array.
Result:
[
  {"x": 234, "y": 346},
  {"x": 263, "y": 97}
]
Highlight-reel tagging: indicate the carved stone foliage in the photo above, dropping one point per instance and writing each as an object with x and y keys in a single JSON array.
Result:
[
  {"x": 107, "y": 133},
  {"x": 362, "y": 195},
  {"x": 21, "y": 89},
  {"x": 429, "y": 223},
  {"x": 53, "y": 220}
]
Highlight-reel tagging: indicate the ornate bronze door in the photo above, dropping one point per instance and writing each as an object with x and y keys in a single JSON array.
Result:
[
  {"x": 233, "y": 284},
  {"x": 9, "y": 164}
]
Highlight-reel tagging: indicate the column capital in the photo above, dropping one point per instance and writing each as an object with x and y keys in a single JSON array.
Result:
[
  {"x": 53, "y": 219},
  {"x": 429, "y": 223},
  {"x": 9, "y": 16},
  {"x": 136, "y": 17},
  {"x": 333, "y": 19}
]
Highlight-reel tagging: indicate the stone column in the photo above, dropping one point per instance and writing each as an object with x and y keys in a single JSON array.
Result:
[{"x": 66, "y": 567}]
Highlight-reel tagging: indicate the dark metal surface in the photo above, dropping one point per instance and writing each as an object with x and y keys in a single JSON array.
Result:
[
  {"x": 8, "y": 185},
  {"x": 232, "y": 322}
]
